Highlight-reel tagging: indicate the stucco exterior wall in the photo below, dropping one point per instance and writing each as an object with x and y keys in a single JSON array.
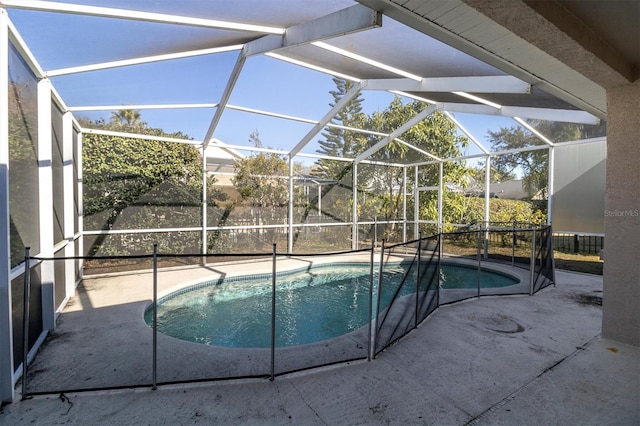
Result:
[{"x": 621, "y": 301}]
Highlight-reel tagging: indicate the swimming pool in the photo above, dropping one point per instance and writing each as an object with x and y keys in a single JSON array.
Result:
[{"x": 312, "y": 305}]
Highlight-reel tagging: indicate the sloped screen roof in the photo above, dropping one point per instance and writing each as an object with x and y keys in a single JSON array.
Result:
[{"x": 206, "y": 65}]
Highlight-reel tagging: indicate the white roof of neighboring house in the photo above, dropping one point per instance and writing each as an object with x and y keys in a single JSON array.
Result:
[{"x": 218, "y": 150}]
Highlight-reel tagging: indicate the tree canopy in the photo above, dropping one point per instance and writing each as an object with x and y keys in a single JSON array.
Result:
[{"x": 132, "y": 183}]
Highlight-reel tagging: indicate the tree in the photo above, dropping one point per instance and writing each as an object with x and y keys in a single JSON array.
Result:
[
  {"x": 435, "y": 135},
  {"x": 261, "y": 181},
  {"x": 340, "y": 142},
  {"x": 129, "y": 118},
  {"x": 478, "y": 174},
  {"x": 136, "y": 184}
]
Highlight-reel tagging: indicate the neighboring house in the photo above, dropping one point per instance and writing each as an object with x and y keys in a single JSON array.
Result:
[
  {"x": 220, "y": 164},
  {"x": 508, "y": 190}
]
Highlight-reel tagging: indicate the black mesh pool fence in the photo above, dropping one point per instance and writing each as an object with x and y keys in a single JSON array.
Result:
[
  {"x": 106, "y": 336},
  {"x": 407, "y": 289}
]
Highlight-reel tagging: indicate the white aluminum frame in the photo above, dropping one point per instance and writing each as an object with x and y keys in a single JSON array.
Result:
[
  {"x": 6, "y": 323},
  {"x": 268, "y": 41}
]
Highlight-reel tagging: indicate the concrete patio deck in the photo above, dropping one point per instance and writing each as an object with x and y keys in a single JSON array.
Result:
[{"x": 508, "y": 360}]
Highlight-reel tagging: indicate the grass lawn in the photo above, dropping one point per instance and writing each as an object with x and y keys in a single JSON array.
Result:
[{"x": 586, "y": 263}]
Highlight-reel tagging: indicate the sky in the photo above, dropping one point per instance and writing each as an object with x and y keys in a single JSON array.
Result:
[{"x": 265, "y": 83}]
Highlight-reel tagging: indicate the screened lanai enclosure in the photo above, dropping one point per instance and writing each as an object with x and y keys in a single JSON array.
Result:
[{"x": 155, "y": 150}]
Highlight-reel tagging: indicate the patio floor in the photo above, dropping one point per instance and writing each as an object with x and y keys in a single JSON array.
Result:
[{"x": 494, "y": 360}]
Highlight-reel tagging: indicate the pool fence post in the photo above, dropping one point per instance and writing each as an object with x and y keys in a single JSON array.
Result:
[
  {"x": 154, "y": 380},
  {"x": 25, "y": 320},
  {"x": 439, "y": 264},
  {"x": 375, "y": 335},
  {"x": 553, "y": 258},
  {"x": 513, "y": 245},
  {"x": 375, "y": 230},
  {"x": 273, "y": 316},
  {"x": 532, "y": 263},
  {"x": 415, "y": 323},
  {"x": 371, "y": 323},
  {"x": 479, "y": 258}
]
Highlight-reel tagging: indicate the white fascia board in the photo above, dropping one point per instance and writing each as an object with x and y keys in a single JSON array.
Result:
[
  {"x": 550, "y": 114},
  {"x": 396, "y": 133},
  {"x": 346, "y": 21},
  {"x": 332, "y": 113},
  {"x": 486, "y": 84},
  {"x": 135, "y": 15},
  {"x": 139, "y": 136},
  {"x": 432, "y": 29},
  {"x": 139, "y": 61}
]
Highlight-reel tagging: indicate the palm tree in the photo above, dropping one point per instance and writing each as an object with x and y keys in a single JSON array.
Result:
[{"x": 127, "y": 118}]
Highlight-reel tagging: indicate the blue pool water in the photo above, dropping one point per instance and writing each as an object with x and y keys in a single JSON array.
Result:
[{"x": 311, "y": 305}]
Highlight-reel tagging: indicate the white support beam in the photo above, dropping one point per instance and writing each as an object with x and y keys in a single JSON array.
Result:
[
  {"x": 6, "y": 325},
  {"x": 233, "y": 78},
  {"x": 312, "y": 67},
  {"x": 205, "y": 201},
  {"x": 328, "y": 116},
  {"x": 290, "y": 208},
  {"x": 563, "y": 115},
  {"x": 550, "y": 114},
  {"x": 493, "y": 154},
  {"x": 550, "y": 185},
  {"x": 372, "y": 62},
  {"x": 490, "y": 84},
  {"x": 24, "y": 51},
  {"x": 396, "y": 133},
  {"x": 402, "y": 14},
  {"x": 421, "y": 151},
  {"x": 271, "y": 114},
  {"x": 487, "y": 186},
  {"x": 135, "y": 15},
  {"x": 466, "y": 132},
  {"x": 139, "y": 61},
  {"x": 138, "y": 107},
  {"x": 79, "y": 168},
  {"x": 416, "y": 204},
  {"x": 440, "y": 195},
  {"x": 477, "y": 98},
  {"x": 45, "y": 202},
  {"x": 533, "y": 130},
  {"x": 346, "y": 21},
  {"x": 354, "y": 207},
  {"x": 140, "y": 136},
  {"x": 69, "y": 210},
  {"x": 404, "y": 204}
]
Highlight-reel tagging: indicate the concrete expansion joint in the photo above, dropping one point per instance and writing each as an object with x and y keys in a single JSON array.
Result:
[{"x": 489, "y": 411}]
